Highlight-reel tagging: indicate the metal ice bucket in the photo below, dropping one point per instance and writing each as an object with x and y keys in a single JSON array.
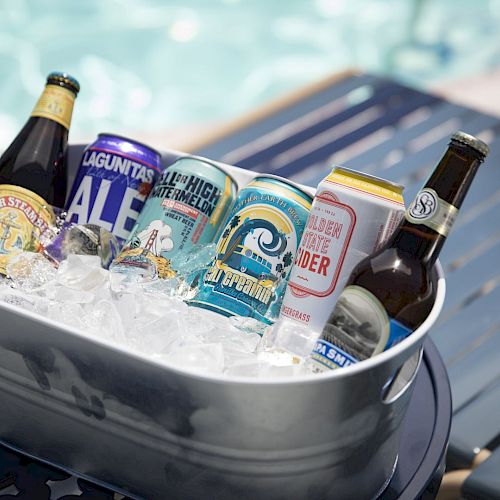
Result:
[{"x": 109, "y": 414}]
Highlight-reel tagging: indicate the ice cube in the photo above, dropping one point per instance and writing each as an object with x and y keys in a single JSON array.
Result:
[
  {"x": 66, "y": 294},
  {"x": 211, "y": 327},
  {"x": 277, "y": 357},
  {"x": 247, "y": 325},
  {"x": 195, "y": 260},
  {"x": 17, "y": 298},
  {"x": 75, "y": 272},
  {"x": 189, "y": 268},
  {"x": 159, "y": 305},
  {"x": 83, "y": 239},
  {"x": 104, "y": 321},
  {"x": 127, "y": 307},
  {"x": 205, "y": 358},
  {"x": 290, "y": 336},
  {"x": 274, "y": 371},
  {"x": 247, "y": 368},
  {"x": 157, "y": 336},
  {"x": 29, "y": 271},
  {"x": 125, "y": 277},
  {"x": 69, "y": 313},
  {"x": 167, "y": 287},
  {"x": 200, "y": 322}
]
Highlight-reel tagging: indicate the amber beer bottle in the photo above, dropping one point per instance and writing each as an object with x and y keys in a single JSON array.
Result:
[
  {"x": 33, "y": 170},
  {"x": 391, "y": 292}
]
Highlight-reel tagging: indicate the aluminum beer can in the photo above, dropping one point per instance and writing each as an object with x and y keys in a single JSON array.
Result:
[
  {"x": 185, "y": 208},
  {"x": 256, "y": 250},
  {"x": 115, "y": 177},
  {"x": 351, "y": 216}
]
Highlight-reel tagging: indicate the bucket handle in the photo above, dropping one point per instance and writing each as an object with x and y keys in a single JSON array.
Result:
[{"x": 402, "y": 379}]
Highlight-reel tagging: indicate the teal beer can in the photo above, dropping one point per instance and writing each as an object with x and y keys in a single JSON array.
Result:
[
  {"x": 185, "y": 208},
  {"x": 256, "y": 250}
]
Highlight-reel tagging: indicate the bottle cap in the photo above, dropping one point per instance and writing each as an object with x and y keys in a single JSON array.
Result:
[
  {"x": 475, "y": 143},
  {"x": 64, "y": 80}
]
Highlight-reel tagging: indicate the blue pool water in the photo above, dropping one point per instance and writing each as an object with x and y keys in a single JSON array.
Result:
[{"x": 149, "y": 66}]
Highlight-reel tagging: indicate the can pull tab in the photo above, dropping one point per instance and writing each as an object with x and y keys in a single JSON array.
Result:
[{"x": 402, "y": 379}]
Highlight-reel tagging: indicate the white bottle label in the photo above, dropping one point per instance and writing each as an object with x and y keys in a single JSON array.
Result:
[
  {"x": 359, "y": 328},
  {"x": 430, "y": 210}
]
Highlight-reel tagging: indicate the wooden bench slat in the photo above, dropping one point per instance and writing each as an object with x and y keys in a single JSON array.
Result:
[
  {"x": 484, "y": 481},
  {"x": 463, "y": 329},
  {"x": 378, "y": 94},
  {"x": 475, "y": 370},
  {"x": 323, "y": 153},
  {"x": 474, "y": 426},
  {"x": 267, "y": 119}
]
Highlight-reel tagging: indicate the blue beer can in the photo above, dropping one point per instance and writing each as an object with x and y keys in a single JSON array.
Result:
[
  {"x": 256, "y": 250},
  {"x": 186, "y": 207},
  {"x": 115, "y": 177}
]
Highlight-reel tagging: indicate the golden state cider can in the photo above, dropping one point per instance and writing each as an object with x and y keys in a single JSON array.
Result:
[
  {"x": 24, "y": 217},
  {"x": 351, "y": 216},
  {"x": 255, "y": 251}
]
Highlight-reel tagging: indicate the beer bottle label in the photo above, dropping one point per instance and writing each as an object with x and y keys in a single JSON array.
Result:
[
  {"x": 55, "y": 103},
  {"x": 432, "y": 211},
  {"x": 358, "y": 329},
  {"x": 24, "y": 216}
]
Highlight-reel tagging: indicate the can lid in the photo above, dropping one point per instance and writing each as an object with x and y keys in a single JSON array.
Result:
[
  {"x": 469, "y": 140},
  {"x": 64, "y": 80},
  {"x": 211, "y": 163},
  {"x": 290, "y": 183},
  {"x": 131, "y": 141},
  {"x": 373, "y": 179}
]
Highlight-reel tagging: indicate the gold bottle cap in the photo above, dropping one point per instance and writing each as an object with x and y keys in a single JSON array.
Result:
[{"x": 63, "y": 80}]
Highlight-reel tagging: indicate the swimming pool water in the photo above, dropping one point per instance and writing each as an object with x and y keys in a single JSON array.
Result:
[{"x": 150, "y": 66}]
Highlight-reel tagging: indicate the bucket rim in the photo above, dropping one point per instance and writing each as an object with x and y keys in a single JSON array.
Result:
[{"x": 368, "y": 364}]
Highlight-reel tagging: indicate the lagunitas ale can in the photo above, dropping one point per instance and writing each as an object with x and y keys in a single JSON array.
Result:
[
  {"x": 185, "y": 208},
  {"x": 351, "y": 216},
  {"x": 115, "y": 177},
  {"x": 256, "y": 250}
]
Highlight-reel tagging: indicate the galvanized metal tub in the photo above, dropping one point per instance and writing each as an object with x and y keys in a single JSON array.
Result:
[{"x": 154, "y": 431}]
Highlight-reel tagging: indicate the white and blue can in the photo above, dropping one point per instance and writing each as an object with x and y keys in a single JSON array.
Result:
[
  {"x": 185, "y": 208},
  {"x": 115, "y": 177},
  {"x": 256, "y": 250}
]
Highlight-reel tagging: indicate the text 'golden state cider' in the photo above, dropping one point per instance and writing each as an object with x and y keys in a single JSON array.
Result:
[{"x": 351, "y": 215}]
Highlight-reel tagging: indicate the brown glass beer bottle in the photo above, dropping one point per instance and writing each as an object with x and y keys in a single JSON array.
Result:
[
  {"x": 33, "y": 170},
  {"x": 390, "y": 293}
]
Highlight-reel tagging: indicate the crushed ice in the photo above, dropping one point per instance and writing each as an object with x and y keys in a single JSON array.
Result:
[{"x": 146, "y": 315}]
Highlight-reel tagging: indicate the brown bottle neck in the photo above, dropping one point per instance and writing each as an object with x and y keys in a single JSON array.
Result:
[{"x": 423, "y": 237}]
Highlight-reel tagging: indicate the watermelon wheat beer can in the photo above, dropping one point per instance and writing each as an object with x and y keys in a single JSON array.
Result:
[
  {"x": 185, "y": 208},
  {"x": 255, "y": 251},
  {"x": 351, "y": 216},
  {"x": 115, "y": 177}
]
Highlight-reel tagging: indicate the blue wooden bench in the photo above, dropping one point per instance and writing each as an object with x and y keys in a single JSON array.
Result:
[{"x": 377, "y": 126}]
